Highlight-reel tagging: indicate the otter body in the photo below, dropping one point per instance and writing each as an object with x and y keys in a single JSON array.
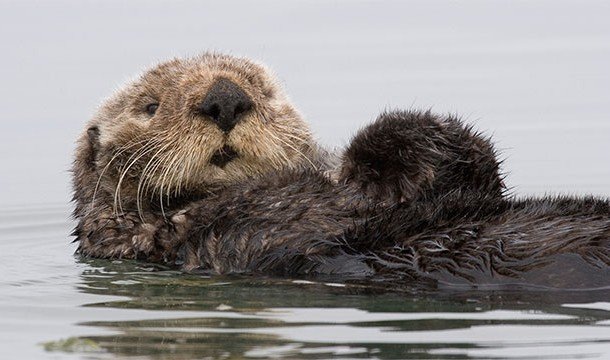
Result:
[
  {"x": 204, "y": 165},
  {"x": 301, "y": 224}
]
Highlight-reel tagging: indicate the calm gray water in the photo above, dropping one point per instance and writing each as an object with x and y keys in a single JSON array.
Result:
[{"x": 535, "y": 75}]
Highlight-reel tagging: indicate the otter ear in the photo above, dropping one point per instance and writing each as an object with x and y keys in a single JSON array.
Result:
[
  {"x": 84, "y": 172},
  {"x": 393, "y": 159},
  {"x": 93, "y": 137}
]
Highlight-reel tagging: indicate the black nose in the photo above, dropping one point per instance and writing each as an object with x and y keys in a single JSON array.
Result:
[{"x": 224, "y": 104}]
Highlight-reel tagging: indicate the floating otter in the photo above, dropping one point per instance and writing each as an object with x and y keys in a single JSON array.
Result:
[{"x": 203, "y": 164}]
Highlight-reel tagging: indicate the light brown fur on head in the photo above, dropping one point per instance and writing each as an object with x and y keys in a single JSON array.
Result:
[{"x": 132, "y": 159}]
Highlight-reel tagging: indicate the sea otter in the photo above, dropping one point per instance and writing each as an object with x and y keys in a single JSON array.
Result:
[{"x": 204, "y": 164}]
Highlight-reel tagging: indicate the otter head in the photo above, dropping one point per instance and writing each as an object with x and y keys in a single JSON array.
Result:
[{"x": 185, "y": 128}]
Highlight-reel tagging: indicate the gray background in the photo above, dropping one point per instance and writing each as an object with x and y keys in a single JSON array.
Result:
[{"x": 535, "y": 75}]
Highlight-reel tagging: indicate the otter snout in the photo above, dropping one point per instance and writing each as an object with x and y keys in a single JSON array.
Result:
[{"x": 224, "y": 104}]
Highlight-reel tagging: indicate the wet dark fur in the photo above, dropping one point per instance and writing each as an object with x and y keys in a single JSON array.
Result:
[
  {"x": 294, "y": 225},
  {"x": 419, "y": 200},
  {"x": 406, "y": 156}
]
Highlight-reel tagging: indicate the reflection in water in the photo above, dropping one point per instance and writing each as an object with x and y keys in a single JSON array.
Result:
[{"x": 232, "y": 317}]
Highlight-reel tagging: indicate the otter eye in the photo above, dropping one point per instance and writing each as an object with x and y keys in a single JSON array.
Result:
[{"x": 151, "y": 109}]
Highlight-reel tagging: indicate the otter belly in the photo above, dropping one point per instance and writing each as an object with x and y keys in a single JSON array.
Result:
[
  {"x": 299, "y": 224},
  {"x": 462, "y": 241}
]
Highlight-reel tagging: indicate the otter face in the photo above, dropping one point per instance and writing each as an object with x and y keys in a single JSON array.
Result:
[{"x": 185, "y": 127}]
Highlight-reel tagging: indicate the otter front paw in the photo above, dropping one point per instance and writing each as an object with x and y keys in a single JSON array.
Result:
[
  {"x": 409, "y": 155},
  {"x": 127, "y": 237}
]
